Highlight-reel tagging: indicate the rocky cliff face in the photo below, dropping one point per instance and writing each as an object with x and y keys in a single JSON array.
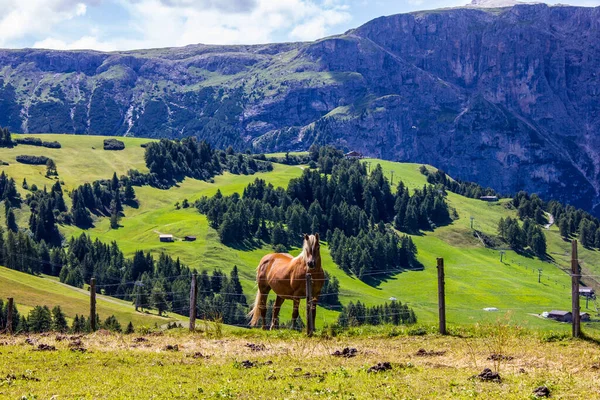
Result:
[{"x": 508, "y": 97}]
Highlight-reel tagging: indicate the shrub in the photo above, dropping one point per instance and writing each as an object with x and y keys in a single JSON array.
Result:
[
  {"x": 113, "y": 144},
  {"x": 32, "y": 160},
  {"x": 38, "y": 142}
]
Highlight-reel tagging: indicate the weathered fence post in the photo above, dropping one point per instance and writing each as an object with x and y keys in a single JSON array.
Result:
[
  {"x": 93, "y": 304},
  {"x": 575, "y": 289},
  {"x": 441, "y": 296},
  {"x": 193, "y": 296},
  {"x": 9, "y": 317},
  {"x": 309, "y": 320}
]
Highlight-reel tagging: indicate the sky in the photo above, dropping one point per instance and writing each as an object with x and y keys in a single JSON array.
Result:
[{"x": 110, "y": 25}]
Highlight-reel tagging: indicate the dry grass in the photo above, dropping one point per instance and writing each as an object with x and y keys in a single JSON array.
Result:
[{"x": 118, "y": 366}]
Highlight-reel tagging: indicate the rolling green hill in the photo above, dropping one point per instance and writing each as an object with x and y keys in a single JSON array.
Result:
[
  {"x": 475, "y": 277},
  {"x": 30, "y": 291}
]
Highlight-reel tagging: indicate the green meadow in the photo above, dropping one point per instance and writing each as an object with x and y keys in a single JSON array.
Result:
[{"x": 475, "y": 276}]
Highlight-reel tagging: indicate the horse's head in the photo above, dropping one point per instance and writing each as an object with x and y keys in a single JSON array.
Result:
[{"x": 311, "y": 250}]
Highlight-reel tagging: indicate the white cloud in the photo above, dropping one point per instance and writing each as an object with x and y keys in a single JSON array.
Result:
[
  {"x": 83, "y": 43},
  {"x": 160, "y": 23},
  {"x": 20, "y": 18},
  {"x": 80, "y": 9}
]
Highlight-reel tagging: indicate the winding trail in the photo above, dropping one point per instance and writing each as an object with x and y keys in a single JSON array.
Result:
[{"x": 550, "y": 221}]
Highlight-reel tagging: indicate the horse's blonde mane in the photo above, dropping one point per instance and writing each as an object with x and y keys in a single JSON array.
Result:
[{"x": 305, "y": 245}]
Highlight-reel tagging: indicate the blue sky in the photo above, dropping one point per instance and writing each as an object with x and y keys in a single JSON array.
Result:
[{"x": 131, "y": 24}]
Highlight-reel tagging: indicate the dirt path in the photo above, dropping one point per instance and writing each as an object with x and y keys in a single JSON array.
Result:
[{"x": 550, "y": 221}]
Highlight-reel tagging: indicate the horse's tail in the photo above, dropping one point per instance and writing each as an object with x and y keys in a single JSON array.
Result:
[{"x": 255, "y": 312}]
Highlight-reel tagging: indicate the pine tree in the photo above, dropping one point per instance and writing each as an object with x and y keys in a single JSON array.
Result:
[
  {"x": 112, "y": 324},
  {"x": 11, "y": 222},
  {"x": 538, "y": 244},
  {"x": 158, "y": 298},
  {"x": 129, "y": 330},
  {"x": 129, "y": 193},
  {"x": 22, "y": 327},
  {"x": 78, "y": 325},
  {"x": 114, "y": 215},
  {"x": 51, "y": 168},
  {"x": 39, "y": 319},
  {"x": 563, "y": 226},
  {"x": 237, "y": 286},
  {"x": 114, "y": 183},
  {"x": 502, "y": 228},
  {"x": 59, "y": 322}
]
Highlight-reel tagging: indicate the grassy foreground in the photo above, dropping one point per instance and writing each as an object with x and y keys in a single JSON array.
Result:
[{"x": 288, "y": 365}]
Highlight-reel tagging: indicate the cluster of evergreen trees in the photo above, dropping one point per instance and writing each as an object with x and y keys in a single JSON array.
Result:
[
  {"x": 8, "y": 191},
  {"x": 570, "y": 220},
  {"x": 6, "y": 138},
  {"x": 349, "y": 200},
  {"x": 46, "y": 208},
  {"x": 113, "y": 144},
  {"x": 20, "y": 252},
  {"x": 32, "y": 160},
  {"x": 170, "y": 161},
  {"x": 103, "y": 197},
  {"x": 424, "y": 210},
  {"x": 31, "y": 141},
  {"x": 467, "y": 189},
  {"x": 372, "y": 253},
  {"x": 573, "y": 221},
  {"x": 530, "y": 235},
  {"x": 41, "y": 319},
  {"x": 288, "y": 159},
  {"x": 394, "y": 313}
]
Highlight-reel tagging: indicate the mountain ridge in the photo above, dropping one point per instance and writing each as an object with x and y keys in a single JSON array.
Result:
[{"x": 507, "y": 97}]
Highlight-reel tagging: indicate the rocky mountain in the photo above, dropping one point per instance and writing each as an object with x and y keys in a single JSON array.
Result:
[{"x": 507, "y": 97}]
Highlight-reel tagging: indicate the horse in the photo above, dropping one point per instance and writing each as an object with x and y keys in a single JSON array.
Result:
[{"x": 286, "y": 275}]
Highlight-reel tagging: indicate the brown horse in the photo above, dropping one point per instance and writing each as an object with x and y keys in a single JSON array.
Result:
[{"x": 286, "y": 275}]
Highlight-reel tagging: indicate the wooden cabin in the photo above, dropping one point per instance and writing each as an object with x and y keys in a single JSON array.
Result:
[
  {"x": 189, "y": 238},
  {"x": 353, "y": 154},
  {"x": 561, "y": 316},
  {"x": 166, "y": 238}
]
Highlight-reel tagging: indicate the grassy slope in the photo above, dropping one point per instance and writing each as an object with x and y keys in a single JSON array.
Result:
[
  {"x": 475, "y": 276},
  {"x": 29, "y": 291}
]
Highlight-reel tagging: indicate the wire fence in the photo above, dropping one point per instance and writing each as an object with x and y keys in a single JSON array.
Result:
[{"x": 507, "y": 295}]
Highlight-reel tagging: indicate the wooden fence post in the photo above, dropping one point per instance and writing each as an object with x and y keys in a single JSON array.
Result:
[
  {"x": 309, "y": 320},
  {"x": 575, "y": 289},
  {"x": 9, "y": 318},
  {"x": 93, "y": 304},
  {"x": 441, "y": 296},
  {"x": 193, "y": 296}
]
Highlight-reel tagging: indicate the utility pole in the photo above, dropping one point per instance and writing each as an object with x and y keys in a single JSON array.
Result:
[
  {"x": 392, "y": 178},
  {"x": 9, "y": 317},
  {"x": 501, "y": 254},
  {"x": 472, "y": 219},
  {"x": 93, "y": 304},
  {"x": 193, "y": 297},
  {"x": 369, "y": 167},
  {"x": 575, "y": 289},
  {"x": 441, "y": 296},
  {"x": 539, "y": 275}
]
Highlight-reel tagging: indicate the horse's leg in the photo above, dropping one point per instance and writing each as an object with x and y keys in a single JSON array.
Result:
[
  {"x": 295, "y": 312},
  {"x": 264, "y": 294},
  {"x": 275, "y": 320}
]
